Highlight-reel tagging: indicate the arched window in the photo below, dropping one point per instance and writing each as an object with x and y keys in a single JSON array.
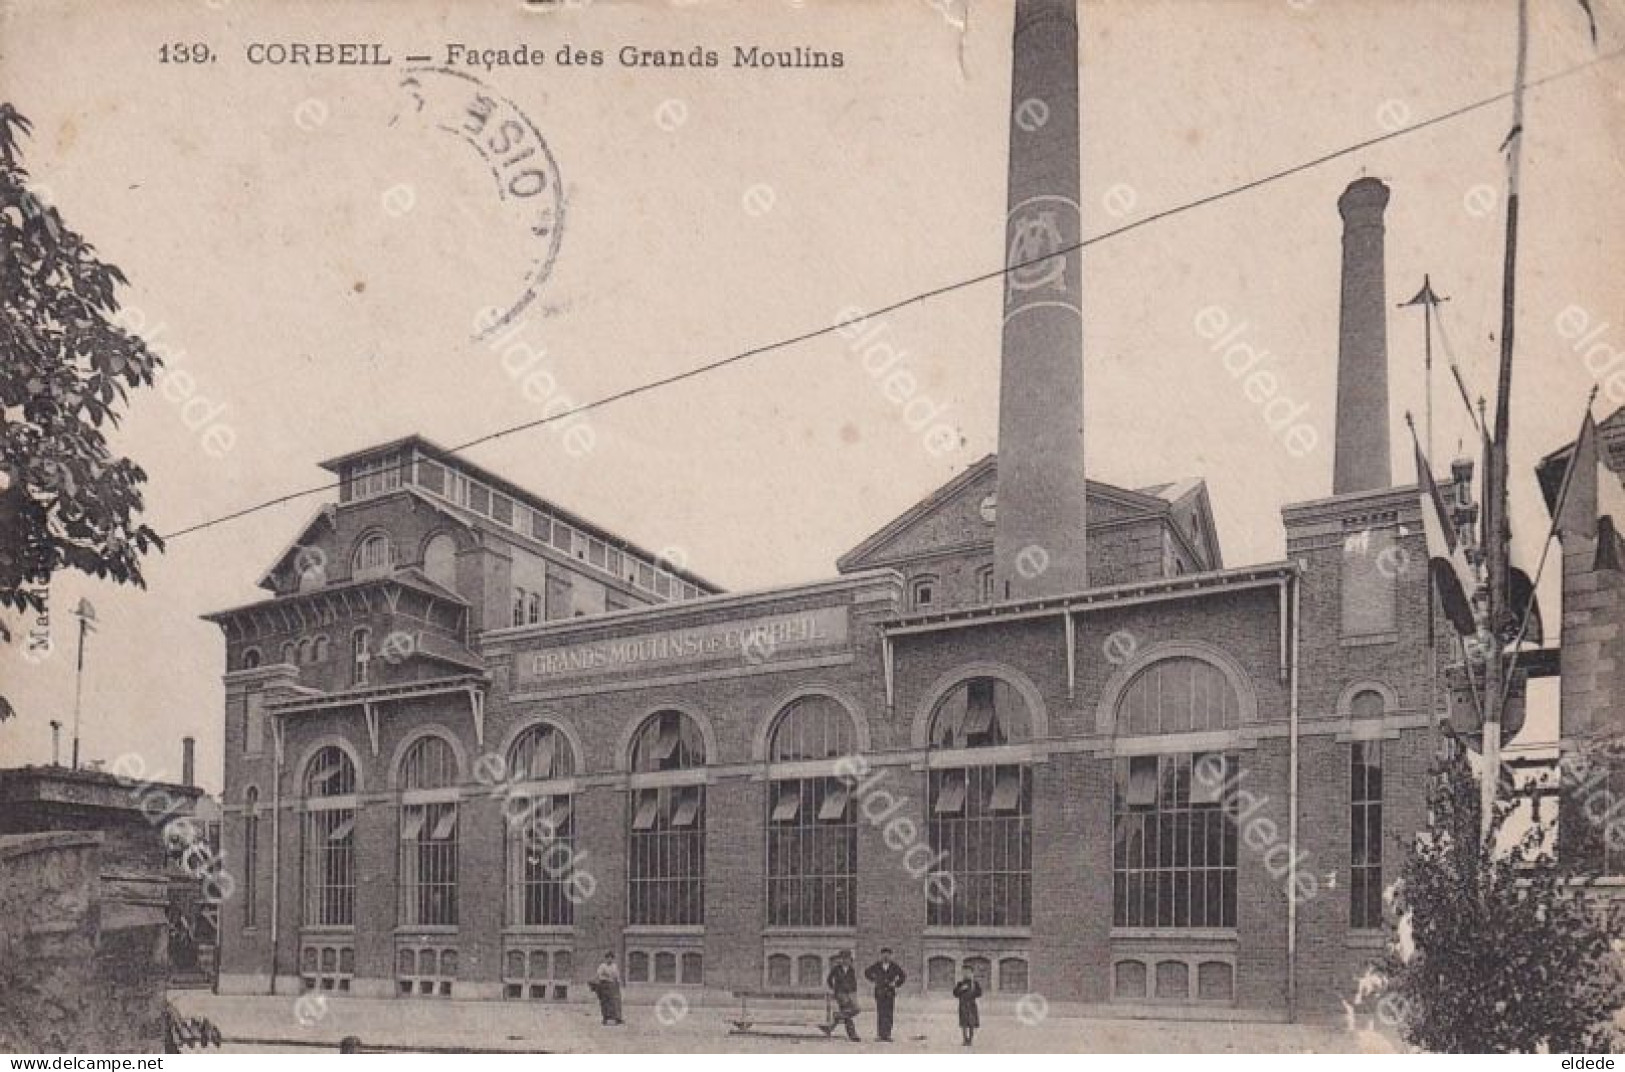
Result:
[
  {"x": 813, "y": 727},
  {"x": 374, "y": 556},
  {"x": 1180, "y": 694},
  {"x": 440, "y": 561},
  {"x": 812, "y": 834},
  {"x": 251, "y": 658},
  {"x": 329, "y": 839},
  {"x": 1174, "y": 813},
  {"x": 1367, "y": 703},
  {"x": 359, "y": 655},
  {"x": 666, "y": 844},
  {"x": 322, "y": 646},
  {"x": 307, "y": 651},
  {"x": 981, "y": 810},
  {"x": 251, "y": 856},
  {"x": 984, "y": 584},
  {"x": 667, "y": 741},
  {"x": 923, "y": 592},
  {"x": 428, "y": 858},
  {"x": 978, "y": 713},
  {"x": 290, "y": 653},
  {"x": 540, "y": 829}
]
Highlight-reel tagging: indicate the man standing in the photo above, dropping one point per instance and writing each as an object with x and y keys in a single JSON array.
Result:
[
  {"x": 843, "y": 987},
  {"x": 887, "y": 975},
  {"x": 607, "y": 985}
]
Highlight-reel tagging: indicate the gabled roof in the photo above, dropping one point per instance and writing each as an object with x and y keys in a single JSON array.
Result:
[
  {"x": 325, "y": 515},
  {"x": 1157, "y": 499}
]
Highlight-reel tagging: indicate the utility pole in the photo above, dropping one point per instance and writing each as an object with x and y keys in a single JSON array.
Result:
[
  {"x": 86, "y": 615},
  {"x": 1496, "y": 528}
]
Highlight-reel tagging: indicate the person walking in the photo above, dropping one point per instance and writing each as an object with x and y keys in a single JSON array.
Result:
[
  {"x": 843, "y": 988},
  {"x": 607, "y": 986},
  {"x": 967, "y": 990},
  {"x": 888, "y": 976}
]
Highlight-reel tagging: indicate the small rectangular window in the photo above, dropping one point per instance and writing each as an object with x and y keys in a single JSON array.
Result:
[
  {"x": 833, "y": 809},
  {"x": 687, "y": 810},
  {"x": 648, "y": 809},
  {"x": 951, "y": 798}
]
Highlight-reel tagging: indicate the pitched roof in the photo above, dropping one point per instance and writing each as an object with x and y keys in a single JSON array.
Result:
[{"x": 1156, "y": 499}]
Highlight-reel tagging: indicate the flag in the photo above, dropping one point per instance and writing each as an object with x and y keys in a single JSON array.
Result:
[
  {"x": 1591, "y": 503},
  {"x": 1447, "y": 559},
  {"x": 1610, "y": 518},
  {"x": 1576, "y": 510},
  {"x": 1523, "y": 602},
  {"x": 6, "y": 710}
]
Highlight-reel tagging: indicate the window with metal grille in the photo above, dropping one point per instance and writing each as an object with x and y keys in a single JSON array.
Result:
[
  {"x": 1174, "y": 854},
  {"x": 428, "y": 829},
  {"x": 1180, "y": 694},
  {"x": 812, "y": 843},
  {"x": 980, "y": 818},
  {"x": 251, "y": 856},
  {"x": 328, "y": 833},
  {"x": 666, "y": 846},
  {"x": 1365, "y": 835},
  {"x": 540, "y": 830}
]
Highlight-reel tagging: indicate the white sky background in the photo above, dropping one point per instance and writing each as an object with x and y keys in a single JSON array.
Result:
[{"x": 325, "y": 323}]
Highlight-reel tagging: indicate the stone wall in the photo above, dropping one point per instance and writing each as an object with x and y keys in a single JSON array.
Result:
[{"x": 82, "y": 954}]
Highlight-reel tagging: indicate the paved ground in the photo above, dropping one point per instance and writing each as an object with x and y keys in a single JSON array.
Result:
[{"x": 283, "y": 1024}]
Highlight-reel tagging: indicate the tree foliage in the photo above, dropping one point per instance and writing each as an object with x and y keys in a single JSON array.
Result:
[
  {"x": 66, "y": 501},
  {"x": 1504, "y": 949}
]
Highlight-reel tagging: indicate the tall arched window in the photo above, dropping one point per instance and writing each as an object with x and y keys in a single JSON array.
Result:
[
  {"x": 1174, "y": 824},
  {"x": 981, "y": 809},
  {"x": 666, "y": 846},
  {"x": 428, "y": 859},
  {"x": 440, "y": 561},
  {"x": 251, "y": 658},
  {"x": 374, "y": 555},
  {"x": 329, "y": 839},
  {"x": 539, "y": 824},
  {"x": 812, "y": 833},
  {"x": 251, "y": 856}
]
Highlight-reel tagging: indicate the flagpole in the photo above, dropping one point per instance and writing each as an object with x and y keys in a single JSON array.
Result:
[{"x": 1496, "y": 528}]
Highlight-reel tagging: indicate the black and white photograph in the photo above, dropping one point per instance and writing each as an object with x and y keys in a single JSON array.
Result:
[{"x": 831, "y": 527}]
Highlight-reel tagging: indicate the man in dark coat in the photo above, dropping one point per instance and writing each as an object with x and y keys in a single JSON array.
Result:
[
  {"x": 888, "y": 976},
  {"x": 843, "y": 987}
]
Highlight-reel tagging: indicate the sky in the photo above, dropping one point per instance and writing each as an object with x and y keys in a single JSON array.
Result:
[{"x": 314, "y": 255}]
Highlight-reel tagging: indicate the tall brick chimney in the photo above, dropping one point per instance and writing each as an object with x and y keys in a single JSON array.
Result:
[
  {"x": 1362, "y": 461},
  {"x": 188, "y": 761},
  {"x": 1039, "y": 539}
]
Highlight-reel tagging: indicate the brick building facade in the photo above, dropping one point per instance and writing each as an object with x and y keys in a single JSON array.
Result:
[{"x": 394, "y": 831}]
